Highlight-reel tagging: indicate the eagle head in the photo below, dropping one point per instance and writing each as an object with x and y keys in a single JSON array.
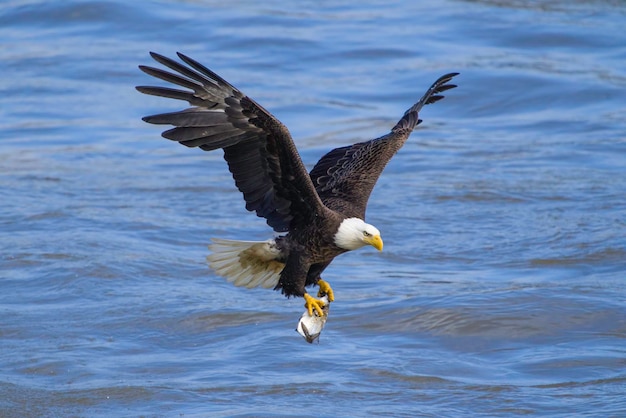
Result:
[{"x": 354, "y": 233}]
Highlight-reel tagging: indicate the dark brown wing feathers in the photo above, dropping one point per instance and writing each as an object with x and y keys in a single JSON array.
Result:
[
  {"x": 260, "y": 153},
  {"x": 344, "y": 178},
  {"x": 259, "y": 150}
]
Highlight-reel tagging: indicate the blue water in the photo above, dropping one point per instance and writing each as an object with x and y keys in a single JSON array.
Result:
[{"x": 501, "y": 290}]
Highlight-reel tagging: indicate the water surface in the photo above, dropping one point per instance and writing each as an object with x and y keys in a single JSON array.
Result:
[{"x": 501, "y": 289}]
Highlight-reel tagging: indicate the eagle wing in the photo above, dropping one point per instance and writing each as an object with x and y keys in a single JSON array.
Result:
[
  {"x": 344, "y": 178},
  {"x": 258, "y": 148}
]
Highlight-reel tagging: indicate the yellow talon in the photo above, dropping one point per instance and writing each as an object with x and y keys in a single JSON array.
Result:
[
  {"x": 325, "y": 289},
  {"x": 312, "y": 303}
]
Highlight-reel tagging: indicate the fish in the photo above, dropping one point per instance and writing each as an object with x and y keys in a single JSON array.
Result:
[{"x": 311, "y": 326}]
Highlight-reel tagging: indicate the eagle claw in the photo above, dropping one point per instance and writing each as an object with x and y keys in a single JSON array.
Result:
[
  {"x": 312, "y": 303},
  {"x": 325, "y": 290}
]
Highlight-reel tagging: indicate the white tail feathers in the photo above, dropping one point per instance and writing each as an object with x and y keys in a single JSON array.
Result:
[{"x": 246, "y": 263}]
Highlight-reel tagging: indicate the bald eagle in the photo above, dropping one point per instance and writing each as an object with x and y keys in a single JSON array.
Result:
[{"x": 322, "y": 212}]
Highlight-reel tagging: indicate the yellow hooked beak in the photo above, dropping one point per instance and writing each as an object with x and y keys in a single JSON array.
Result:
[{"x": 375, "y": 241}]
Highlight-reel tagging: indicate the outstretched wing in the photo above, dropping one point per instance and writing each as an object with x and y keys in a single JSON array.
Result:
[
  {"x": 258, "y": 148},
  {"x": 344, "y": 178}
]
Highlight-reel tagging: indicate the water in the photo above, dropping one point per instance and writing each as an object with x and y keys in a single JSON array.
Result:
[{"x": 501, "y": 289}]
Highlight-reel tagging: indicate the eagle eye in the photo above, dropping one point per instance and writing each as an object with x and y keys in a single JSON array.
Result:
[{"x": 367, "y": 234}]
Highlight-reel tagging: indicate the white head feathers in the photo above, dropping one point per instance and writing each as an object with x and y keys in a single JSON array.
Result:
[{"x": 354, "y": 233}]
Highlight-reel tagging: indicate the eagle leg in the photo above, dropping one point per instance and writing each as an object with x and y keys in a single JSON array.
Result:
[
  {"x": 325, "y": 290},
  {"x": 311, "y": 303}
]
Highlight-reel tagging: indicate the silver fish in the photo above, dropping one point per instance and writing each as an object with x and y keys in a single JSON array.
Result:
[{"x": 310, "y": 326}]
